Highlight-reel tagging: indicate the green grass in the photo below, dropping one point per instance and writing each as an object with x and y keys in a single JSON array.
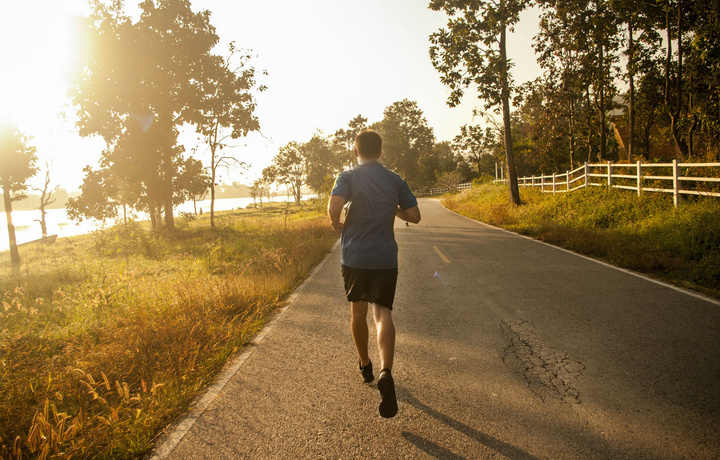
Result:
[
  {"x": 105, "y": 339},
  {"x": 646, "y": 234}
]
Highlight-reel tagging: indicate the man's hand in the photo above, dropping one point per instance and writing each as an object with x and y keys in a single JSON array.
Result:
[
  {"x": 409, "y": 215},
  {"x": 334, "y": 209}
]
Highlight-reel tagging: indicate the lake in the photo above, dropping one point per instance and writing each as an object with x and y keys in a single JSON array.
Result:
[{"x": 27, "y": 225}]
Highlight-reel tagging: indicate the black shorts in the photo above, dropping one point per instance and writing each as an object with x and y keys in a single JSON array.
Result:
[{"x": 374, "y": 286}]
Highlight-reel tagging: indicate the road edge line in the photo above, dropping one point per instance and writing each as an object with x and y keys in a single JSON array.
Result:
[
  {"x": 182, "y": 426},
  {"x": 697, "y": 295}
]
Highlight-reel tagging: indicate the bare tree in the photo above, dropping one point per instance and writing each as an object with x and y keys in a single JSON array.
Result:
[{"x": 45, "y": 197}]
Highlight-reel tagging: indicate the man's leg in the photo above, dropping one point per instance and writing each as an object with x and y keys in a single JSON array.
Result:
[
  {"x": 386, "y": 347},
  {"x": 359, "y": 327},
  {"x": 385, "y": 335}
]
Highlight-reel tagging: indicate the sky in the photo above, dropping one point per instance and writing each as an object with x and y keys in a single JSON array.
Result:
[{"x": 309, "y": 50}]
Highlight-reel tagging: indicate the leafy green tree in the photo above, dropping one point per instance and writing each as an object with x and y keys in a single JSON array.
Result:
[
  {"x": 407, "y": 141},
  {"x": 17, "y": 165},
  {"x": 563, "y": 46},
  {"x": 703, "y": 78},
  {"x": 344, "y": 140},
  {"x": 193, "y": 182},
  {"x": 473, "y": 143},
  {"x": 473, "y": 51},
  {"x": 291, "y": 168},
  {"x": 153, "y": 71},
  {"x": 97, "y": 199},
  {"x": 324, "y": 161},
  {"x": 227, "y": 109}
]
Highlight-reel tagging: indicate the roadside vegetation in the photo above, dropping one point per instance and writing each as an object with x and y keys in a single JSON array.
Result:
[
  {"x": 105, "y": 339},
  {"x": 646, "y": 234}
]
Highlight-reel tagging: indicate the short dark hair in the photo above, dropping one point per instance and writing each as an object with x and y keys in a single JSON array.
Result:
[{"x": 369, "y": 143}]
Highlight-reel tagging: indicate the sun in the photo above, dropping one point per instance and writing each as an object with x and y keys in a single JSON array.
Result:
[{"x": 39, "y": 48}]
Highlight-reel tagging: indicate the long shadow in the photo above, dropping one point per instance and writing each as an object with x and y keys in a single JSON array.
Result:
[
  {"x": 497, "y": 445},
  {"x": 430, "y": 448}
]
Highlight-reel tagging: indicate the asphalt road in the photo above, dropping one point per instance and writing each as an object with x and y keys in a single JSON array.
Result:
[{"x": 506, "y": 348}]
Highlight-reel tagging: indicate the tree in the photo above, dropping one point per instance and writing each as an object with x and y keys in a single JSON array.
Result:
[
  {"x": 98, "y": 197},
  {"x": 344, "y": 139},
  {"x": 193, "y": 182},
  {"x": 153, "y": 71},
  {"x": 45, "y": 197},
  {"x": 17, "y": 165},
  {"x": 407, "y": 141},
  {"x": 473, "y": 143},
  {"x": 258, "y": 190},
  {"x": 291, "y": 168},
  {"x": 228, "y": 104},
  {"x": 324, "y": 160},
  {"x": 472, "y": 51}
]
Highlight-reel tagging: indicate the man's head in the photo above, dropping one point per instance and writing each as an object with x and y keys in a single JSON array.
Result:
[{"x": 368, "y": 144}]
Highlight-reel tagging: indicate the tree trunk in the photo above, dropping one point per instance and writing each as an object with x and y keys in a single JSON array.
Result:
[
  {"x": 571, "y": 117},
  {"x": 509, "y": 154},
  {"x": 14, "y": 253},
  {"x": 588, "y": 107},
  {"x": 213, "y": 170},
  {"x": 212, "y": 191},
  {"x": 601, "y": 152},
  {"x": 631, "y": 78},
  {"x": 43, "y": 223},
  {"x": 674, "y": 109}
]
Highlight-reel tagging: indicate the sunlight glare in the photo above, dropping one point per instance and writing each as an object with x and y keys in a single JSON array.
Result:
[{"x": 39, "y": 52}]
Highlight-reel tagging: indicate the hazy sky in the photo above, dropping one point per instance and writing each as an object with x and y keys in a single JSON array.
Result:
[{"x": 309, "y": 50}]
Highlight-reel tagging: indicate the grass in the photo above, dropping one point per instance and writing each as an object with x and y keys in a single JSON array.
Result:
[
  {"x": 646, "y": 234},
  {"x": 107, "y": 338}
]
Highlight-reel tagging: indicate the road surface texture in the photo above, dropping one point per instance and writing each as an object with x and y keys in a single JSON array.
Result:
[{"x": 506, "y": 348}]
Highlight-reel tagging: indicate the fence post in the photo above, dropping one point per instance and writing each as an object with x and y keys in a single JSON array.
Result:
[
  {"x": 587, "y": 174},
  {"x": 554, "y": 183},
  {"x": 676, "y": 183},
  {"x": 609, "y": 174},
  {"x": 542, "y": 183},
  {"x": 567, "y": 177},
  {"x": 639, "y": 177}
]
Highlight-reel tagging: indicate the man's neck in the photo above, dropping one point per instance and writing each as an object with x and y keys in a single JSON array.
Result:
[{"x": 364, "y": 161}]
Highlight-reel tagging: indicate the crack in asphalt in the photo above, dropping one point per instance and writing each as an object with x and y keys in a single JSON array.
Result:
[{"x": 548, "y": 371}]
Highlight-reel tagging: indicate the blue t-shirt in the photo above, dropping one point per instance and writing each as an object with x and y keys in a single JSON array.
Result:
[{"x": 374, "y": 192}]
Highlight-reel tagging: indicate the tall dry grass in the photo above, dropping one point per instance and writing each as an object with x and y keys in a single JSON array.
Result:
[
  {"x": 646, "y": 234},
  {"x": 105, "y": 339}
]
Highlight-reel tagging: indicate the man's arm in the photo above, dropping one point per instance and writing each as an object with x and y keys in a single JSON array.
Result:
[
  {"x": 334, "y": 208},
  {"x": 409, "y": 215}
]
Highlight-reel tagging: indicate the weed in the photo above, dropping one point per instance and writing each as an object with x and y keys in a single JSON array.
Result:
[{"x": 106, "y": 338}]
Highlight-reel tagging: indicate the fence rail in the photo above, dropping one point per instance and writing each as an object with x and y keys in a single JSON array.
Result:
[
  {"x": 446, "y": 189},
  {"x": 676, "y": 178}
]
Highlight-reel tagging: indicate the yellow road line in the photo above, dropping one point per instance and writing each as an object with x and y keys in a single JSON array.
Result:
[{"x": 442, "y": 256}]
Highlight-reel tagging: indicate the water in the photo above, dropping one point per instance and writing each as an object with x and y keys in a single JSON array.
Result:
[{"x": 27, "y": 225}]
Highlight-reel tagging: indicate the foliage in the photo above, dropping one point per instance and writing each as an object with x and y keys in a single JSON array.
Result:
[
  {"x": 227, "y": 105},
  {"x": 647, "y": 234},
  {"x": 472, "y": 52},
  {"x": 141, "y": 81},
  {"x": 107, "y": 338},
  {"x": 291, "y": 168},
  {"x": 407, "y": 142},
  {"x": 17, "y": 161},
  {"x": 17, "y": 165}
]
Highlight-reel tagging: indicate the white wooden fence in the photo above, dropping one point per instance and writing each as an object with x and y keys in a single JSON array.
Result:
[
  {"x": 676, "y": 178},
  {"x": 441, "y": 190}
]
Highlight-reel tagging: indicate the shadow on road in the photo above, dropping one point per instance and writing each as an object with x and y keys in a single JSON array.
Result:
[
  {"x": 430, "y": 447},
  {"x": 433, "y": 449}
]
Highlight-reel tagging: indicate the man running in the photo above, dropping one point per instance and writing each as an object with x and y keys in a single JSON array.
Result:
[{"x": 369, "y": 197}]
